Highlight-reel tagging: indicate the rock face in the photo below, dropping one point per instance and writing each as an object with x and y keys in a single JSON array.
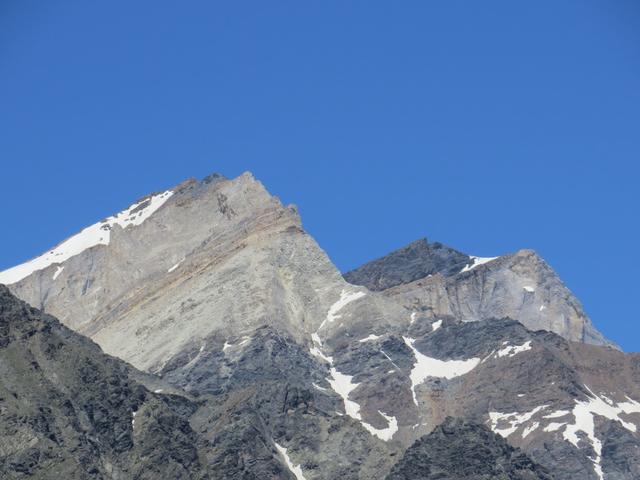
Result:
[
  {"x": 417, "y": 260},
  {"x": 520, "y": 286},
  {"x": 69, "y": 411},
  {"x": 283, "y": 369},
  {"x": 219, "y": 259},
  {"x": 459, "y": 450}
]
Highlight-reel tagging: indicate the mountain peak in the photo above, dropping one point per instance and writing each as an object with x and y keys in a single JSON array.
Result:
[{"x": 416, "y": 260}]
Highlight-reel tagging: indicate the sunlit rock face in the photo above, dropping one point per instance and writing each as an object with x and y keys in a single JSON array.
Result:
[
  {"x": 213, "y": 289},
  {"x": 437, "y": 280}
]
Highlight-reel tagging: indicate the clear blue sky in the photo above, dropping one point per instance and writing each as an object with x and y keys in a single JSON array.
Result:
[{"x": 489, "y": 126}]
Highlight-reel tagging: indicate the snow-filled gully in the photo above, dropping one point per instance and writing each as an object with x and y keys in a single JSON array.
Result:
[
  {"x": 343, "y": 384},
  {"x": 583, "y": 420}
]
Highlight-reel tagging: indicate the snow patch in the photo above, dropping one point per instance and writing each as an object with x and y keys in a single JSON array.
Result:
[
  {"x": 475, "y": 261},
  {"x": 529, "y": 289},
  {"x": 432, "y": 367},
  {"x": 370, "y": 338},
  {"x": 530, "y": 429},
  {"x": 295, "y": 469},
  {"x": 389, "y": 358},
  {"x": 345, "y": 299},
  {"x": 583, "y": 414},
  {"x": 227, "y": 345},
  {"x": 436, "y": 325},
  {"x": 343, "y": 385},
  {"x": 58, "y": 271},
  {"x": 512, "y": 350},
  {"x": 175, "y": 266},
  {"x": 513, "y": 421},
  {"x": 553, "y": 426},
  {"x": 97, "y": 234},
  {"x": 558, "y": 414},
  {"x": 316, "y": 352}
]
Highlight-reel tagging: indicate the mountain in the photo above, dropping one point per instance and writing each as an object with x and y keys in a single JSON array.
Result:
[
  {"x": 417, "y": 260},
  {"x": 214, "y": 289},
  {"x": 459, "y": 450},
  {"x": 69, "y": 411},
  {"x": 439, "y": 281}
]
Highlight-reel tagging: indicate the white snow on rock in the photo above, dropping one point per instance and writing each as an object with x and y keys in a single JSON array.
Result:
[
  {"x": 228, "y": 345},
  {"x": 432, "y": 367},
  {"x": 342, "y": 384},
  {"x": 317, "y": 352},
  {"x": 529, "y": 289},
  {"x": 58, "y": 272},
  {"x": 512, "y": 350},
  {"x": 530, "y": 429},
  {"x": 580, "y": 430},
  {"x": 475, "y": 261},
  {"x": 554, "y": 426},
  {"x": 295, "y": 469},
  {"x": 175, "y": 266},
  {"x": 370, "y": 338},
  {"x": 316, "y": 349},
  {"x": 97, "y": 234},
  {"x": 511, "y": 421},
  {"x": 583, "y": 414},
  {"x": 436, "y": 325},
  {"x": 384, "y": 433},
  {"x": 345, "y": 299},
  {"x": 558, "y": 414}
]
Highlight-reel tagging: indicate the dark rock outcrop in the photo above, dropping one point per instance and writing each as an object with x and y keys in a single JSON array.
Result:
[
  {"x": 460, "y": 450},
  {"x": 69, "y": 411},
  {"x": 412, "y": 262}
]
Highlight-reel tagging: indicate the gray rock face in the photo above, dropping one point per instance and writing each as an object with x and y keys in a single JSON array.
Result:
[
  {"x": 521, "y": 286},
  {"x": 69, "y": 411},
  {"x": 459, "y": 450},
  {"x": 285, "y": 370},
  {"x": 218, "y": 259},
  {"x": 417, "y": 260}
]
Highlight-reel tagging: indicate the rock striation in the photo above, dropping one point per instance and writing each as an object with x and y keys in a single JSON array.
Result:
[
  {"x": 273, "y": 365},
  {"x": 437, "y": 281}
]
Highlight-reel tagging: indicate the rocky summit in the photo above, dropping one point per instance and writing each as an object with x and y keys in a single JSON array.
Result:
[{"x": 203, "y": 333}]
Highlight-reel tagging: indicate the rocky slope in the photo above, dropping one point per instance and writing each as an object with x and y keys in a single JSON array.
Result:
[
  {"x": 215, "y": 286},
  {"x": 69, "y": 411},
  {"x": 458, "y": 450},
  {"x": 437, "y": 281},
  {"x": 417, "y": 260}
]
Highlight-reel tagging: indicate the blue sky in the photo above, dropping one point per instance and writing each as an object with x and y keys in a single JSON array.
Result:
[{"x": 489, "y": 126}]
